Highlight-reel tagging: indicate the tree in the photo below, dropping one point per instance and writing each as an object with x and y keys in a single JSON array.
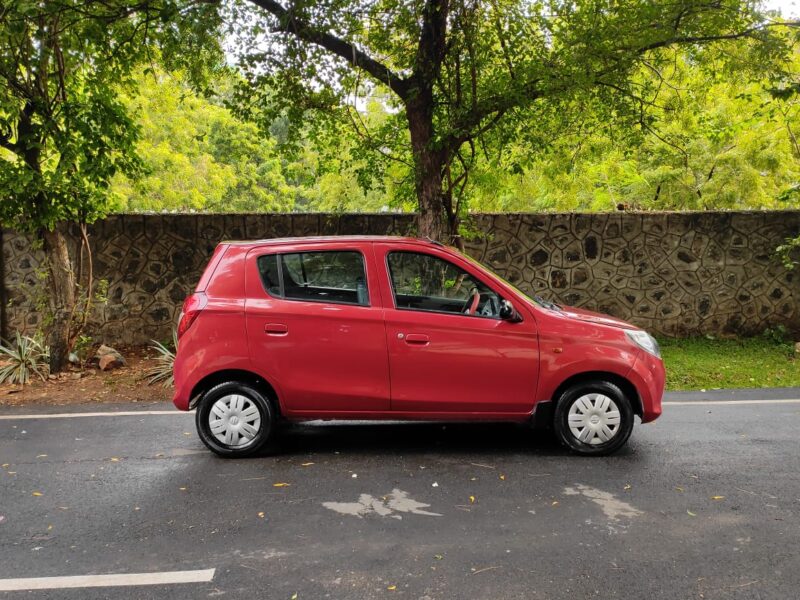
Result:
[
  {"x": 64, "y": 132},
  {"x": 196, "y": 155},
  {"x": 718, "y": 142},
  {"x": 460, "y": 70}
]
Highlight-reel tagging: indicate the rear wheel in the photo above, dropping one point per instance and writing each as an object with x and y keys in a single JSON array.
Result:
[
  {"x": 593, "y": 418},
  {"x": 234, "y": 419}
]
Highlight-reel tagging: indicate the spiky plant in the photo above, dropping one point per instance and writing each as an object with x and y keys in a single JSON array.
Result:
[
  {"x": 165, "y": 360},
  {"x": 28, "y": 356}
]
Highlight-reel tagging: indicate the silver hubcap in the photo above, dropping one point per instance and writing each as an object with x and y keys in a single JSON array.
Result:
[
  {"x": 234, "y": 420},
  {"x": 594, "y": 419}
]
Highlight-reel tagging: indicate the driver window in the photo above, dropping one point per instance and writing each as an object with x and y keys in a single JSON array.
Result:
[{"x": 428, "y": 283}]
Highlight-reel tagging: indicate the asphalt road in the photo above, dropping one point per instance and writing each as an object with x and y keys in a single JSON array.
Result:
[{"x": 704, "y": 503}]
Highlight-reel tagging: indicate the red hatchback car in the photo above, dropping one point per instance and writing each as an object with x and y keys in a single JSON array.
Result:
[{"x": 398, "y": 328}]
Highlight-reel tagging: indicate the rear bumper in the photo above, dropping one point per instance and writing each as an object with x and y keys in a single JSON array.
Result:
[
  {"x": 184, "y": 383},
  {"x": 648, "y": 376}
]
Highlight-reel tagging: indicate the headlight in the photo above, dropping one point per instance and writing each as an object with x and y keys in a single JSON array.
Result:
[{"x": 645, "y": 341}]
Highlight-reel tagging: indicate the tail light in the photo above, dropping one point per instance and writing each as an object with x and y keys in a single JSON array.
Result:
[{"x": 191, "y": 308}]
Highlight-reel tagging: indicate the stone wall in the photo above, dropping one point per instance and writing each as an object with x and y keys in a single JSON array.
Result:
[{"x": 672, "y": 273}]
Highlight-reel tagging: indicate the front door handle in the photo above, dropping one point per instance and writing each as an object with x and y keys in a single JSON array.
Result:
[
  {"x": 418, "y": 339},
  {"x": 276, "y": 329}
]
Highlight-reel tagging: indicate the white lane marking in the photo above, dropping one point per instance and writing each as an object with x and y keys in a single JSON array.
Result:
[
  {"x": 730, "y": 402},
  {"x": 124, "y": 579},
  {"x": 174, "y": 413},
  {"x": 121, "y": 413}
]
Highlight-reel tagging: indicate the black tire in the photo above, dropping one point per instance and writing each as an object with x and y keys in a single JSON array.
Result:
[
  {"x": 263, "y": 439},
  {"x": 571, "y": 395}
]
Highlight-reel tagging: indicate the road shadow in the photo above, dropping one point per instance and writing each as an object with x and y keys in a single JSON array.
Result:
[{"x": 417, "y": 438}]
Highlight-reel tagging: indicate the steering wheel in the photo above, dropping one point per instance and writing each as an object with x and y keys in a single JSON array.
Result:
[{"x": 471, "y": 303}]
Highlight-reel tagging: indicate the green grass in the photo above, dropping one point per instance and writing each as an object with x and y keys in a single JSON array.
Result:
[{"x": 703, "y": 363}]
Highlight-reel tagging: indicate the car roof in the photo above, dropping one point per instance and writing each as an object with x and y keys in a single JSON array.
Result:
[{"x": 367, "y": 239}]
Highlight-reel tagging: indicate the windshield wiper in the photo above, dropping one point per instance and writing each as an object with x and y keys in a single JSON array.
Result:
[{"x": 547, "y": 303}]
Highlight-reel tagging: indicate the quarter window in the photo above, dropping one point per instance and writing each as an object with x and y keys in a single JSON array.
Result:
[
  {"x": 428, "y": 283},
  {"x": 328, "y": 276}
]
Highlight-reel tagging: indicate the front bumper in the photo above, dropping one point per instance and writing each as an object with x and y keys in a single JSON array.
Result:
[{"x": 649, "y": 377}]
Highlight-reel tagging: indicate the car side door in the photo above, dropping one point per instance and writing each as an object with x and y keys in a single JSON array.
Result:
[
  {"x": 315, "y": 324},
  {"x": 449, "y": 352}
]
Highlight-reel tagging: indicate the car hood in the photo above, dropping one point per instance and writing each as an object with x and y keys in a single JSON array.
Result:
[{"x": 588, "y": 316}]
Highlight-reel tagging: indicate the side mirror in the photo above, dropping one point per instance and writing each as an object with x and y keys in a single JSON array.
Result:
[{"x": 509, "y": 313}]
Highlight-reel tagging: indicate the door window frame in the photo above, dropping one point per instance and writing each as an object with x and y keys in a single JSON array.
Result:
[
  {"x": 279, "y": 253},
  {"x": 393, "y": 290}
]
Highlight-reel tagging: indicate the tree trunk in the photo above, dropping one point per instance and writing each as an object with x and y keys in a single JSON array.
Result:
[
  {"x": 62, "y": 288},
  {"x": 428, "y": 163}
]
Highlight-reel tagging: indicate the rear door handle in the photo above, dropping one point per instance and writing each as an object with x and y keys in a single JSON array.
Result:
[
  {"x": 276, "y": 329},
  {"x": 419, "y": 339}
]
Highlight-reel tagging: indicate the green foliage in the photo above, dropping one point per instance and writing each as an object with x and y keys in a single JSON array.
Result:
[
  {"x": 162, "y": 371},
  {"x": 82, "y": 347},
  {"x": 716, "y": 144},
  {"x": 788, "y": 252},
  {"x": 28, "y": 356},
  {"x": 197, "y": 156},
  {"x": 702, "y": 363}
]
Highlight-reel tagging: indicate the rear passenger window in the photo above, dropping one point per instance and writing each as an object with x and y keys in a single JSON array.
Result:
[
  {"x": 329, "y": 276},
  {"x": 268, "y": 267}
]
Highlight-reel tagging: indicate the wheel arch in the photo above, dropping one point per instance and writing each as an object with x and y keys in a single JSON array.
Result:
[
  {"x": 621, "y": 382},
  {"x": 241, "y": 375}
]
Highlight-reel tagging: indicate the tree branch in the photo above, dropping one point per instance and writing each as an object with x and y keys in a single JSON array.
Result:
[
  {"x": 698, "y": 39},
  {"x": 293, "y": 25}
]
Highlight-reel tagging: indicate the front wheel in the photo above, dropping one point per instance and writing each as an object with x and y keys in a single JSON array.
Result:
[
  {"x": 235, "y": 420},
  {"x": 593, "y": 418}
]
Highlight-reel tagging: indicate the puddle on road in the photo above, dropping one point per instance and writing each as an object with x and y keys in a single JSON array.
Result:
[
  {"x": 614, "y": 509},
  {"x": 397, "y": 501}
]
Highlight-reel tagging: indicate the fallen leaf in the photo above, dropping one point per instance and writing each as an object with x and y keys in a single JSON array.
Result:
[
  {"x": 627, "y": 486},
  {"x": 718, "y": 497},
  {"x": 187, "y": 433},
  {"x": 261, "y": 515},
  {"x": 472, "y": 499},
  {"x": 308, "y": 464},
  {"x": 690, "y": 513},
  {"x": 294, "y": 596},
  {"x": 434, "y": 484},
  {"x": 438, "y": 556},
  {"x": 392, "y": 588},
  {"x": 183, "y": 489},
  {"x": 5, "y": 465},
  {"x": 37, "y": 494},
  {"x": 114, "y": 459},
  {"x": 678, "y": 488},
  {"x": 49, "y": 528},
  {"x": 502, "y": 477},
  {"x": 41, "y": 456},
  {"x": 555, "y": 503},
  {"x": 281, "y": 485}
]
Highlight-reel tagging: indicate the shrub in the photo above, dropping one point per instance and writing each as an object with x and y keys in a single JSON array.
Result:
[
  {"x": 165, "y": 360},
  {"x": 26, "y": 357}
]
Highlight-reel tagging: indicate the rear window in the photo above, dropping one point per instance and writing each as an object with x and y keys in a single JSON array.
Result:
[{"x": 336, "y": 276}]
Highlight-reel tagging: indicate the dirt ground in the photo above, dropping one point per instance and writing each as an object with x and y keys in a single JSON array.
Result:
[{"x": 76, "y": 386}]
